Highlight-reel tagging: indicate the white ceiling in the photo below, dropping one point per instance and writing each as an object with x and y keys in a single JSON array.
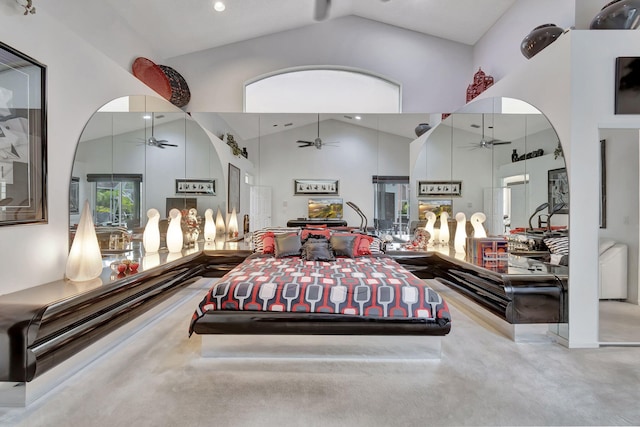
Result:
[{"x": 177, "y": 27}]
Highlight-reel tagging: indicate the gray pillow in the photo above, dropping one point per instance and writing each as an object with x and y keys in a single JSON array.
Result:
[
  {"x": 287, "y": 245},
  {"x": 343, "y": 245},
  {"x": 317, "y": 250}
]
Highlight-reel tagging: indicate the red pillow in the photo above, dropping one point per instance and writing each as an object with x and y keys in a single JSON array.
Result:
[
  {"x": 269, "y": 243},
  {"x": 363, "y": 245},
  {"x": 315, "y": 232}
]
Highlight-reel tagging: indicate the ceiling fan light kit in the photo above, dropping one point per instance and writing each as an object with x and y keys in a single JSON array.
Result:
[{"x": 318, "y": 143}]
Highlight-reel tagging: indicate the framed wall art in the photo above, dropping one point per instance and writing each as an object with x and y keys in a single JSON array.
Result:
[
  {"x": 627, "y": 93},
  {"x": 316, "y": 186},
  {"x": 439, "y": 188},
  {"x": 233, "y": 192},
  {"x": 437, "y": 206},
  {"x": 74, "y": 195},
  {"x": 558, "y": 191},
  {"x": 200, "y": 187},
  {"x": 23, "y": 139}
]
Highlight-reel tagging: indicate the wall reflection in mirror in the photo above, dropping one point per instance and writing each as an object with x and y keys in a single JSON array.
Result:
[
  {"x": 139, "y": 153},
  {"x": 496, "y": 159}
]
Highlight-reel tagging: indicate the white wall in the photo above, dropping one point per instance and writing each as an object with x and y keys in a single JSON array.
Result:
[
  {"x": 622, "y": 197},
  {"x": 498, "y": 51},
  {"x": 79, "y": 81},
  {"x": 434, "y": 72}
]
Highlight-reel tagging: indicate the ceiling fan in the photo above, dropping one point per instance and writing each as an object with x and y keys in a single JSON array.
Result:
[
  {"x": 485, "y": 142},
  {"x": 160, "y": 143},
  {"x": 318, "y": 143}
]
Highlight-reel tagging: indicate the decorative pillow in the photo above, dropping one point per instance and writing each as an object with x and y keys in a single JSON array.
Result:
[
  {"x": 363, "y": 245},
  {"x": 317, "y": 250},
  {"x": 324, "y": 232},
  {"x": 268, "y": 243},
  {"x": 287, "y": 245},
  {"x": 257, "y": 241},
  {"x": 344, "y": 244},
  {"x": 558, "y": 245}
]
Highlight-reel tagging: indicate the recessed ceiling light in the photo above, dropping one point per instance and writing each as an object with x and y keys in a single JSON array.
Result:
[
  {"x": 358, "y": 118},
  {"x": 146, "y": 117},
  {"x": 219, "y": 6}
]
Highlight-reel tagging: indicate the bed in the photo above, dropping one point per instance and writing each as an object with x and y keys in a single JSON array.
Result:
[{"x": 320, "y": 282}]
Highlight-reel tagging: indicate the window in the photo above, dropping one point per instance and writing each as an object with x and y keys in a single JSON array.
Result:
[{"x": 116, "y": 199}]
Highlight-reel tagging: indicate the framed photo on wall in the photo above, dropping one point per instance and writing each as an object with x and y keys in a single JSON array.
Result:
[
  {"x": 437, "y": 206},
  {"x": 627, "y": 90},
  {"x": 558, "y": 191},
  {"x": 316, "y": 186},
  {"x": 201, "y": 187},
  {"x": 439, "y": 188},
  {"x": 23, "y": 138},
  {"x": 233, "y": 192}
]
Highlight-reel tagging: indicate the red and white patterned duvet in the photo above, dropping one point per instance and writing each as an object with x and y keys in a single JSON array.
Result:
[{"x": 367, "y": 286}]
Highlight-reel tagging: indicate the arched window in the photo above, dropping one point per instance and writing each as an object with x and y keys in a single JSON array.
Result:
[{"x": 322, "y": 90}]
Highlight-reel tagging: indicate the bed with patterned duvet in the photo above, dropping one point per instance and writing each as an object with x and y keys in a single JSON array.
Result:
[{"x": 320, "y": 282}]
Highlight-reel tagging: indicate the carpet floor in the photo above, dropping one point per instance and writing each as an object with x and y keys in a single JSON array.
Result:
[{"x": 157, "y": 377}]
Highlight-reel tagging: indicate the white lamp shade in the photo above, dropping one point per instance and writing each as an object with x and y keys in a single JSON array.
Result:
[
  {"x": 444, "y": 228},
  {"x": 430, "y": 226},
  {"x": 232, "y": 227},
  {"x": 85, "y": 259},
  {"x": 151, "y": 234},
  {"x": 174, "y": 232},
  {"x": 460, "y": 237},
  {"x": 209, "y": 226},
  {"x": 220, "y": 227},
  {"x": 477, "y": 220}
]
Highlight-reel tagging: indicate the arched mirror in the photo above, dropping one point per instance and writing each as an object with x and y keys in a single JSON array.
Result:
[
  {"x": 138, "y": 153},
  {"x": 499, "y": 161}
]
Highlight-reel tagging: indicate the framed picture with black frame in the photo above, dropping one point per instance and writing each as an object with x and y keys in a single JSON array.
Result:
[
  {"x": 23, "y": 138},
  {"x": 627, "y": 90},
  {"x": 233, "y": 192},
  {"x": 558, "y": 191}
]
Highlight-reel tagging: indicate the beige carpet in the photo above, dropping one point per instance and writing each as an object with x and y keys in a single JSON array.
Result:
[{"x": 157, "y": 378}]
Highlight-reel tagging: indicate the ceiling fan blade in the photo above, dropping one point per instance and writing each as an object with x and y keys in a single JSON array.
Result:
[
  {"x": 321, "y": 10},
  {"x": 164, "y": 144},
  {"x": 497, "y": 142}
]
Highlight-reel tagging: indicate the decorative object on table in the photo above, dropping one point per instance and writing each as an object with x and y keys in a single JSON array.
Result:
[
  {"x": 233, "y": 190},
  {"x": 481, "y": 82},
  {"x": 85, "y": 259},
  {"x": 23, "y": 136},
  {"x": 316, "y": 186},
  {"x": 149, "y": 73},
  {"x": 539, "y": 38},
  {"x": 420, "y": 240},
  {"x": 180, "y": 94},
  {"x": 28, "y": 6},
  {"x": 209, "y": 226},
  {"x": 558, "y": 190},
  {"x": 245, "y": 224},
  {"x": 201, "y": 187},
  {"x": 627, "y": 85},
  {"x": 444, "y": 235},
  {"x": 618, "y": 15},
  {"x": 151, "y": 233},
  {"x": 232, "y": 226},
  {"x": 430, "y": 226},
  {"x": 422, "y": 128},
  {"x": 124, "y": 267},
  {"x": 477, "y": 221},
  {"x": 484, "y": 250},
  {"x": 439, "y": 188},
  {"x": 190, "y": 224},
  {"x": 221, "y": 229},
  {"x": 460, "y": 237},
  {"x": 174, "y": 232}
]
